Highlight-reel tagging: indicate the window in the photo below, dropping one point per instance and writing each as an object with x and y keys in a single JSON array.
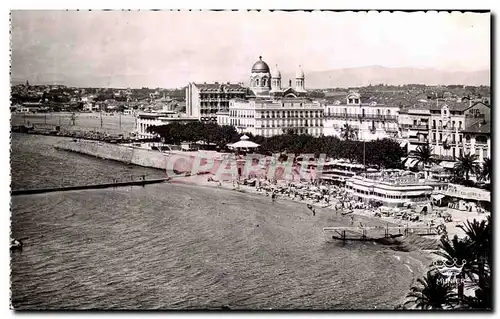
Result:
[
  {"x": 433, "y": 137},
  {"x": 460, "y": 138},
  {"x": 459, "y": 125},
  {"x": 434, "y": 124},
  {"x": 485, "y": 153},
  {"x": 440, "y": 137},
  {"x": 453, "y": 124},
  {"x": 440, "y": 124},
  {"x": 256, "y": 82}
]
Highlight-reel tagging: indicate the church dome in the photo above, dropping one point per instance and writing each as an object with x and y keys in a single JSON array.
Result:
[
  {"x": 300, "y": 73},
  {"x": 260, "y": 67},
  {"x": 276, "y": 73}
]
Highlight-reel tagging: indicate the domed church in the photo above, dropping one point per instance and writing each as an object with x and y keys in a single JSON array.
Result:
[{"x": 266, "y": 83}]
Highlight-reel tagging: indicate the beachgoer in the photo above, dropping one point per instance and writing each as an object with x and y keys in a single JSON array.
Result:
[
  {"x": 314, "y": 212},
  {"x": 352, "y": 220}
]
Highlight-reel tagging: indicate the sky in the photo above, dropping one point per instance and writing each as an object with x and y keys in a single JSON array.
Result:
[{"x": 172, "y": 48}]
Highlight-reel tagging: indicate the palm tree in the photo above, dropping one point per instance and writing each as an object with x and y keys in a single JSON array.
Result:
[
  {"x": 432, "y": 293},
  {"x": 348, "y": 132},
  {"x": 423, "y": 155},
  {"x": 486, "y": 169},
  {"x": 466, "y": 165},
  {"x": 456, "y": 249}
]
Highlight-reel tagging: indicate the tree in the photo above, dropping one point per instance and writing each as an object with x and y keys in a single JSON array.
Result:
[
  {"x": 348, "y": 132},
  {"x": 486, "y": 170},
  {"x": 467, "y": 165},
  {"x": 423, "y": 155},
  {"x": 432, "y": 293}
]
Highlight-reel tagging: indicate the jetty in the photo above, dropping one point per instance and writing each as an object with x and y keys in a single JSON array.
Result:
[
  {"x": 359, "y": 233},
  {"x": 89, "y": 186}
]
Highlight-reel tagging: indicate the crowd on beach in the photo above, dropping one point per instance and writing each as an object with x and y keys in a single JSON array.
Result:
[{"x": 323, "y": 195}]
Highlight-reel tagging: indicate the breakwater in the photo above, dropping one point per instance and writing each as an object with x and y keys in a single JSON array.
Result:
[{"x": 92, "y": 186}]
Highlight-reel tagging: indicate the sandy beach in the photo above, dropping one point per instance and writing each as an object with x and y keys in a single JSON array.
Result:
[{"x": 458, "y": 217}]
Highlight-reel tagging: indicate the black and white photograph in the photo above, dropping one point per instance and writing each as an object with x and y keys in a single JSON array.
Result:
[{"x": 237, "y": 160}]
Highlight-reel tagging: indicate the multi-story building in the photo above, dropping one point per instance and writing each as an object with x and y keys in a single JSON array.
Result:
[
  {"x": 477, "y": 138},
  {"x": 414, "y": 126},
  {"x": 447, "y": 124},
  {"x": 203, "y": 101},
  {"x": 369, "y": 118},
  {"x": 267, "y": 117}
]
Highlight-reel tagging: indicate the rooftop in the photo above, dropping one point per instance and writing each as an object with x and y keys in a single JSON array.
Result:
[{"x": 219, "y": 86}]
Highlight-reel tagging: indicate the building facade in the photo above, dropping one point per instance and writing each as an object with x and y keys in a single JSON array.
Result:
[
  {"x": 414, "y": 126},
  {"x": 370, "y": 119},
  {"x": 203, "y": 101},
  {"x": 447, "y": 125},
  {"x": 267, "y": 117}
]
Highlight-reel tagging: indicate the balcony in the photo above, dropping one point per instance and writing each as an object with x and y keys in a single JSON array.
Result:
[
  {"x": 378, "y": 117},
  {"x": 420, "y": 127}
]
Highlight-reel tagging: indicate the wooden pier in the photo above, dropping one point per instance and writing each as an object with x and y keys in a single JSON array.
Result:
[
  {"x": 359, "y": 233},
  {"x": 142, "y": 182}
]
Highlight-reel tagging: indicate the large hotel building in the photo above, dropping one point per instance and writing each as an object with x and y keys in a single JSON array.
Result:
[{"x": 266, "y": 108}]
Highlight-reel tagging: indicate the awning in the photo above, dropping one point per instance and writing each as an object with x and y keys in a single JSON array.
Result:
[
  {"x": 437, "y": 196},
  {"x": 447, "y": 164}
]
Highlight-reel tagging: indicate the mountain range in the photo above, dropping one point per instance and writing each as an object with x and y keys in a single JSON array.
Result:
[
  {"x": 364, "y": 76},
  {"x": 347, "y": 77}
]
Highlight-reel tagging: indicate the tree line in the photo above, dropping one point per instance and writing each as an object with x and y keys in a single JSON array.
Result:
[{"x": 384, "y": 153}]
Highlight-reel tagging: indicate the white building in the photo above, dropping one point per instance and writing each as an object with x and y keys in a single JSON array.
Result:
[
  {"x": 448, "y": 122},
  {"x": 392, "y": 191},
  {"x": 370, "y": 119},
  {"x": 268, "y": 117}
]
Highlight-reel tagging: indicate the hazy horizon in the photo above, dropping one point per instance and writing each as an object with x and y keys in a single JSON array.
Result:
[{"x": 171, "y": 48}]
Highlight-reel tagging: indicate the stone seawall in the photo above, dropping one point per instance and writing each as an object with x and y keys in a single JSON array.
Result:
[{"x": 126, "y": 154}]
